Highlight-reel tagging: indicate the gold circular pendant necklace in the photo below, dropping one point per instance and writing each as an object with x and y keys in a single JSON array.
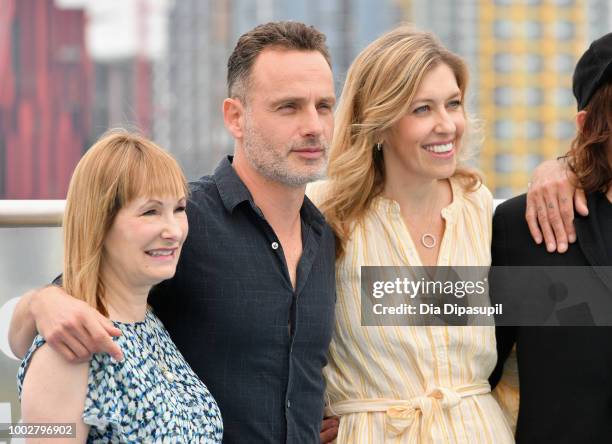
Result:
[{"x": 428, "y": 240}]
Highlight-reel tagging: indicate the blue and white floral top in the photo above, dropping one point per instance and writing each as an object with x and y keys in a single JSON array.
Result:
[{"x": 152, "y": 396}]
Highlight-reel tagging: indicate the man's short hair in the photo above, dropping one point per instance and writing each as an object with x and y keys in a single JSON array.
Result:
[{"x": 285, "y": 35}]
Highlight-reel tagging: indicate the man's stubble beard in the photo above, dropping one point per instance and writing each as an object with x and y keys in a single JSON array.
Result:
[{"x": 274, "y": 164}]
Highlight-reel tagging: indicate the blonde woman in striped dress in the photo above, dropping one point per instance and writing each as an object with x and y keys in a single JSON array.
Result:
[{"x": 399, "y": 195}]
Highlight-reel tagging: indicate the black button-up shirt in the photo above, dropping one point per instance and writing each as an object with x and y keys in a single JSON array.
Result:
[{"x": 258, "y": 344}]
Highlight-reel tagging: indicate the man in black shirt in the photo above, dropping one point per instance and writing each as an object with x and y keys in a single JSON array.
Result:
[{"x": 252, "y": 304}]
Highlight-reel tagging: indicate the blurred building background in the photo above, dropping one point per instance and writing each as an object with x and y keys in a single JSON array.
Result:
[
  {"x": 521, "y": 56},
  {"x": 45, "y": 97},
  {"x": 70, "y": 69},
  {"x": 189, "y": 83}
]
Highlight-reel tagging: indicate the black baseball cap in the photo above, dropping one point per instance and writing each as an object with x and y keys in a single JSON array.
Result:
[{"x": 593, "y": 70}]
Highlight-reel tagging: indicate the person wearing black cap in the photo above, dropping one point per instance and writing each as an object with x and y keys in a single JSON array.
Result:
[
  {"x": 565, "y": 373},
  {"x": 593, "y": 71}
]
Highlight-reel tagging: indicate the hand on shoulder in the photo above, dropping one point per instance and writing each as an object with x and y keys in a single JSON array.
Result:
[{"x": 72, "y": 327}]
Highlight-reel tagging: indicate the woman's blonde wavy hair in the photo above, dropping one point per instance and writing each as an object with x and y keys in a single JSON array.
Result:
[
  {"x": 379, "y": 89},
  {"x": 118, "y": 168}
]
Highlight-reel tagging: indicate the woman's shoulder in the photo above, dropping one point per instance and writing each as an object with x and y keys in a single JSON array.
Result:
[
  {"x": 479, "y": 197},
  {"x": 45, "y": 361},
  {"x": 51, "y": 387},
  {"x": 42, "y": 362}
]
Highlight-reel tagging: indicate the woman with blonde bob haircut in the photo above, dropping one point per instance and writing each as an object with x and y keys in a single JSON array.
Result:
[
  {"x": 398, "y": 194},
  {"x": 119, "y": 168},
  {"x": 124, "y": 226}
]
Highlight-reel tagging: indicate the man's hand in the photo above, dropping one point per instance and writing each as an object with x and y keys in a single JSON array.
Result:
[
  {"x": 329, "y": 429},
  {"x": 551, "y": 197},
  {"x": 71, "y": 327}
]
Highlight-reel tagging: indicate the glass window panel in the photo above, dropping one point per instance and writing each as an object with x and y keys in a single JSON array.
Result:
[
  {"x": 533, "y": 29},
  {"x": 503, "y": 29},
  {"x": 503, "y": 163},
  {"x": 563, "y": 97},
  {"x": 534, "y": 129},
  {"x": 504, "y": 129},
  {"x": 565, "y": 129},
  {"x": 533, "y": 160},
  {"x": 503, "y": 62},
  {"x": 503, "y": 96},
  {"x": 564, "y": 63},
  {"x": 504, "y": 193},
  {"x": 533, "y": 63},
  {"x": 31, "y": 258},
  {"x": 564, "y": 30},
  {"x": 534, "y": 96}
]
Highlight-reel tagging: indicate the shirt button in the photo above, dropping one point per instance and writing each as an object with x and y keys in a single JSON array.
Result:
[
  {"x": 275, "y": 245},
  {"x": 288, "y": 403}
]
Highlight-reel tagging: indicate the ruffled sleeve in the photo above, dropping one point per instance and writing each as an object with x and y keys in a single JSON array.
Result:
[
  {"x": 102, "y": 400},
  {"x": 104, "y": 403}
]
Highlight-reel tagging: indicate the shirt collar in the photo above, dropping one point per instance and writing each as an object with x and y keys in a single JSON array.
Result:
[
  {"x": 233, "y": 192},
  {"x": 312, "y": 216},
  {"x": 231, "y": 188}
]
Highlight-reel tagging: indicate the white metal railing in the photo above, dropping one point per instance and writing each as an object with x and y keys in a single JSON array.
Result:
[
  {"x": 31, "y": 213},
  {"x": 46, "y": 213}
]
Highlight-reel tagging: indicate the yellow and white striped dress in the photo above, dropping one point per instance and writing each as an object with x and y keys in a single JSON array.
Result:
[{"x": 412, "y": 384}]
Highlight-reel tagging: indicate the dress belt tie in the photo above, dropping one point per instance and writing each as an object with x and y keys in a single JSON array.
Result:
[{"x": 414, "y": 416}]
